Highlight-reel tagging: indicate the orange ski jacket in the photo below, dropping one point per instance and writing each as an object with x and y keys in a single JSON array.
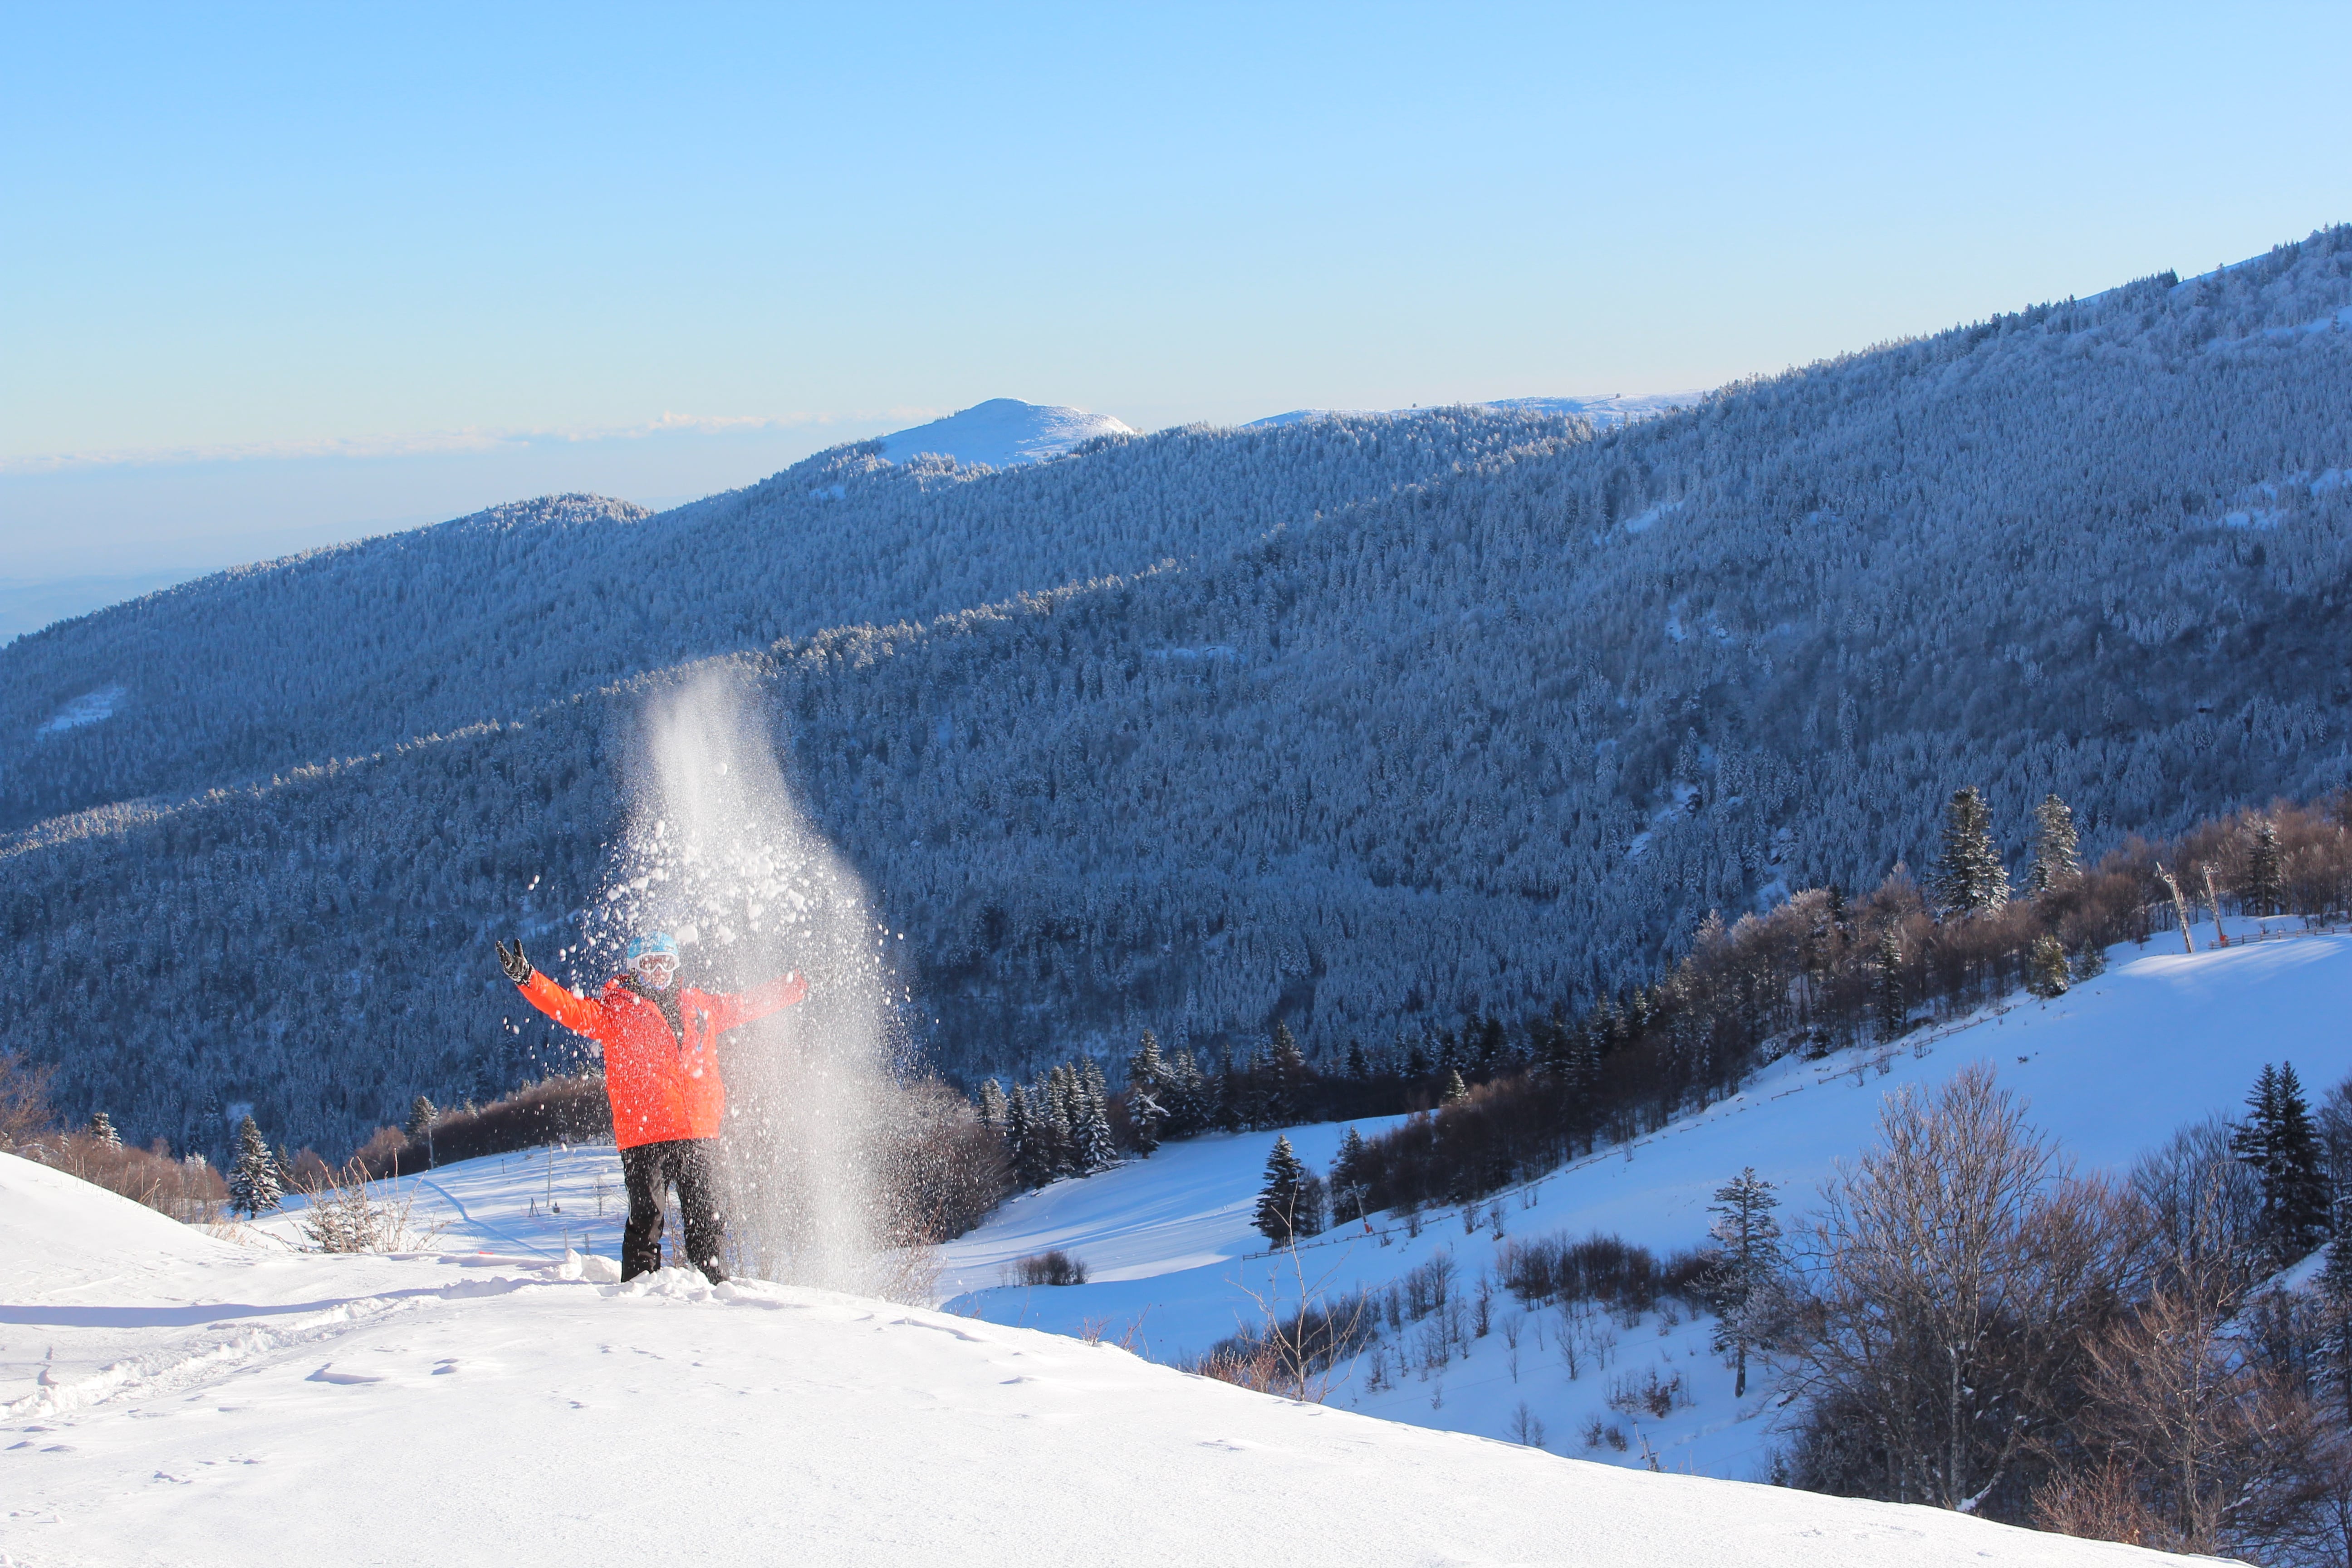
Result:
[{"x": 663, "y": 1083}]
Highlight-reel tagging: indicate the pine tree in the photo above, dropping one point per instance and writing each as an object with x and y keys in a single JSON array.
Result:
[
  {"x": 1188, "y": 1108},
  {"x": 1968, "y": 879},
  {"x": 1555, "y": 1050},
  {"x": 1149, "y": 1092},
  {"x": 1032, "y": 1156},
  {"x": 2056, "y": 860},
  {"x": 2282, "y": 1146},
  {"x": 1456, "y": 1091},
  {"x": 1416, "y": 1059},
  {"x": 1279, "y": 1201},
  {"x": 1090, "y": 1119},
  {"x": 2265, "y": 891},
  {"x": 422, "y": 1114},
  {"x": 1287, "y": 1074},
  {"x": 2336, "y": 1312},
  {"x": 1347, "y": 1178},
  {"x": 1746, "y": 1239},
  {"x": 1359, "y": 1070},
  {"x": 993, "y": 1106},
  {"x": 1892, "y": 1007},
  {"x": 2046, "y": 968},
  {"x": 1059, "y": 1127},
  {"x": 254, "y": 1183},
  {"x": 102, "y": 1127}
]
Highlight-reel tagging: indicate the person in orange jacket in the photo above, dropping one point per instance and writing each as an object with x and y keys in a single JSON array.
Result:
[{"x": 662, "y": 1077}]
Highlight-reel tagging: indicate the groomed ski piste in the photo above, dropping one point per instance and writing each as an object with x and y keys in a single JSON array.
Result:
[{"x": 169, "y": 1396}]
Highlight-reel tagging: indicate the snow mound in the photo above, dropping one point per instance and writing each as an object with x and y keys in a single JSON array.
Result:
[
  {"x": 1002, "y": 432},
  {"x": 537, "y": 1418}
]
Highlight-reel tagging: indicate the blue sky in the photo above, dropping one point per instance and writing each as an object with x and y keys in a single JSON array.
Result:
[{"x": 278, "y": 275}]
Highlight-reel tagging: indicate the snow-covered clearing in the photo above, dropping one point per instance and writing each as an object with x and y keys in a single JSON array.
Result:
[
  {"x": 471, "y": 1409},
  {"x": 2111, "y": 1069},
  {"x": 89, "y": 708}
]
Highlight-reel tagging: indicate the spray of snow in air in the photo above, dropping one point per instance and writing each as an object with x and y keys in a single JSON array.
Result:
[{"x": 718, "y": 853}]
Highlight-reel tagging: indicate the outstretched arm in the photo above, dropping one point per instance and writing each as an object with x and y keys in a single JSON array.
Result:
[
  {"x": 742, "y": 1006},
  {"x": 575, "y": 1013}
]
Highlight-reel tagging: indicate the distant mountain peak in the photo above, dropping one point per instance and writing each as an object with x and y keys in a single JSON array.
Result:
[{"x": 1004, "y": 431}]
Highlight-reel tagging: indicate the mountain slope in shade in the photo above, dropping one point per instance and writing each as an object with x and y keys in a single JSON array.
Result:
[
  {"x": 271, "y": 1406},
  {"x": 1002, "y": 432}
]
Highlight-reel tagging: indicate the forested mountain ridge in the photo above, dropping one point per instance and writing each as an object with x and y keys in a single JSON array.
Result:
[
  {"x": 1492, "y": 742},
  {"x": 351, "y": 648}
]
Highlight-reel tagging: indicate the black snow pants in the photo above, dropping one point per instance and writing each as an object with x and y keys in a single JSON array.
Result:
[{"x": 690, "y": 1165}]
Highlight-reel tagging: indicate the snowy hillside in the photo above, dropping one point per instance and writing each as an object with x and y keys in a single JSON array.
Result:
[
  {"x": 1002, "y": 432},
  {"x": 2111, "y": 1069},
  {"x": 260, "y": 1405}
]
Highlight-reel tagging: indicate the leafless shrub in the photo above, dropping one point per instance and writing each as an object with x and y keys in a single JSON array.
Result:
[
  {"x": 345, "y": 1215},
  {"x": 24, "y": 1113},
  {"x": 1526, "y": 1428},
  {"x": 1052, "y": 1267},
  {"x": 189, "y": 1190},
  {"x": 1652, "y": 1396},
  {"x": 946, "y": 1170}
]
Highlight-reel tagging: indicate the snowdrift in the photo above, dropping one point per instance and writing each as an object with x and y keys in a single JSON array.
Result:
[{"x": 480, "y": 1410}]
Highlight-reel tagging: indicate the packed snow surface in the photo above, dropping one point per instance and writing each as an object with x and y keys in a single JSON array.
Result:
[
  {"x": 1002, "y": 432},
  {"x": 472, "y": 1408}
]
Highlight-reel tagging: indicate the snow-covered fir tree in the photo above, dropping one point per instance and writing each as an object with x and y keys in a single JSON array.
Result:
[
  {"x": 102, "y": 1127},
  {"x": 1347, "y": 1178},
  {"x": 1097, "y": 1151},
  {"x": 1746, "y": 1239},
  {"x": 1280, "y": 1213},
  {"x": 993, "y": 1110},
  {"x": 1969, "y": 878},
  {"x": 2046, "y": 973},
  {"x": 1891, "y": 1005},
  {"x": 2265, "y": 888},
  {"x": 2057, "y": 855},
  {"x": 1149, "y": 1092},
  {"x": 2278, "y": 1142},
  {"x": 255, "y": 1185}
]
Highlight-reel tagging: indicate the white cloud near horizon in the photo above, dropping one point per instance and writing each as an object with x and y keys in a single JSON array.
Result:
[{"x": 469, "y": 440}]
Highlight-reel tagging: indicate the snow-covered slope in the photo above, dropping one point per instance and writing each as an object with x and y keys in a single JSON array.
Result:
[
  {"x": 479, "y": 1410},
  {"x": 1002, "y": 432},
  {"x": 1606, "y": 413},
  {"x": 2111, "y": 1069}
]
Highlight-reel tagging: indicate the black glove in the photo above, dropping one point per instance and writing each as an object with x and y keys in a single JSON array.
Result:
[{"x": 511, "y": 960}]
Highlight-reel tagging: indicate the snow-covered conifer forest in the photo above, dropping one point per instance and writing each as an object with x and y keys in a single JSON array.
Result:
[{"x": 1363, "y": 723}]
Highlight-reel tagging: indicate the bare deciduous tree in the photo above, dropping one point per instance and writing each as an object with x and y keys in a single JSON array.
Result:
[{"x": 1945, "y": 1291}]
